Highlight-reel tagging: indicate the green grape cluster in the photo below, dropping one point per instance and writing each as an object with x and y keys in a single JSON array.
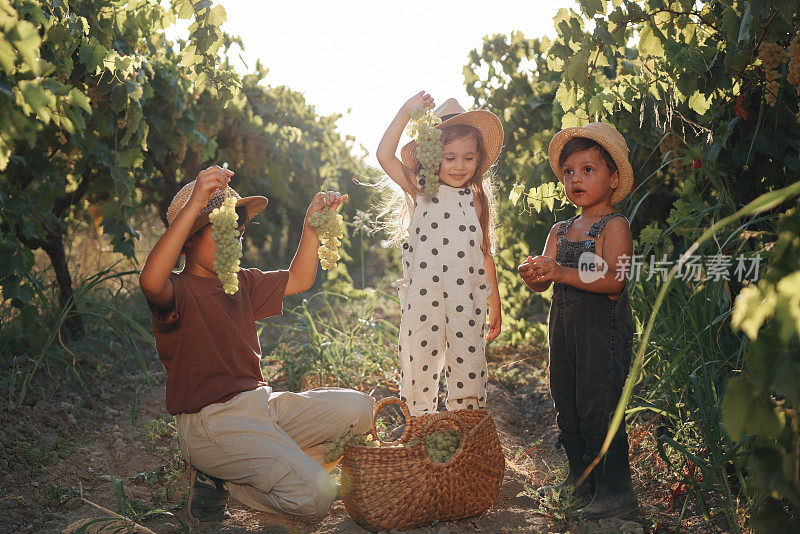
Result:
[
  {"x": 335, "y": 449},
  {"x": 443, "y": 445},
  {"x": 429, "y": 147},
  {"x": 330, "y": 228},
  {"x": 224, "y": 222},
  {"x": 771, "y": 56}
]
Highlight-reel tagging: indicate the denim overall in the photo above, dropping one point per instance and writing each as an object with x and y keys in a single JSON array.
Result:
[{"x": 591, "y": 339}]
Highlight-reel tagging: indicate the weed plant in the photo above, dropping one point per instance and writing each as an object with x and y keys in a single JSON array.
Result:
[
  {"x": 116, "y": 332},
  {"x": 334, "y": 340}
]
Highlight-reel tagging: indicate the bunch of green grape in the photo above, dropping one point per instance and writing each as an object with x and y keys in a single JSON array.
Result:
[
  {"x": 335, "y": 449},
  {"x": 771, "y": 56},
  {"x": 443, "y": 445},
  {"x": 330, "y": 228},
  {"x": 429, "y": 147},
  {"x": 224, "y": 222}
]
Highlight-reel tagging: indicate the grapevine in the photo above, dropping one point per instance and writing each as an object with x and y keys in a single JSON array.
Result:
[
  {"x": 429, "y": 147},
  {"x": 330, "y": 229},
  {"x": 224, "y": 222},
  {"x": 771, "y": 56}
]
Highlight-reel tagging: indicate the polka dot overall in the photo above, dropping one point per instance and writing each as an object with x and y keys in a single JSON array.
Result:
[{"x": 443, "y": 297}]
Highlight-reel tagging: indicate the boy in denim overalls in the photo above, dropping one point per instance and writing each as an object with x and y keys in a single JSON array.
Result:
[{"x": 590, "y": 330}]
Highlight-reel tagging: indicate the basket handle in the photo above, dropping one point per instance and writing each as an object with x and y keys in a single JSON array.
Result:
[
  {"x": 380, "y": 405},
  {"x": 428, "y": 429}
]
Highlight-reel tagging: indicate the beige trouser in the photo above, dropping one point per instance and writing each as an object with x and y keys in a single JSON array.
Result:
[{"x": 269, "y": 446}]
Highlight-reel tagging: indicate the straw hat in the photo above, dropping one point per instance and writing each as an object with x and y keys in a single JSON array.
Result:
[
  {"x": 452, "y": 113},
  {"x": 253, "y": 204},
  {"x": 610, "y": 139}
]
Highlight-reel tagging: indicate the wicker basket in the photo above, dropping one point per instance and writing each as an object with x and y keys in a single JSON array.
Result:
[{"x": 400, "y": 488}]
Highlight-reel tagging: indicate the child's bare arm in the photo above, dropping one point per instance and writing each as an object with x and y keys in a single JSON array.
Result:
[
  {"x": 154, "y": 277},
  {"x": 303, "y": 269},
  {"x": 617, "y": 242},
  {"x": 495, "y": 309},
  {"x": 387, "y": 148},
  {"x": 526, "y": 270}
]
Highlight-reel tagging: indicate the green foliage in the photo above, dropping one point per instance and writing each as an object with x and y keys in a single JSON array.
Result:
[
  {"x": 77, "y": 78},
  {"x": 102, "y": 117},
  {"x": 763, "y": 400},
  {"x": 335, "y": 339},
  {"x": 681, "y": 81},
  {"x": 519, "y": 87},
  {"x": 200, "y": 57}
]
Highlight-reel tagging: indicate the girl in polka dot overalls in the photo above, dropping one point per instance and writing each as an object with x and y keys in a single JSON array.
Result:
[{"x": 449, "y": 272}]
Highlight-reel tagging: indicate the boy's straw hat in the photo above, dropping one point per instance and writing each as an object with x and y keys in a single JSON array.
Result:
[
  {"x": 607, "y": 136},
  {"x": 452, "y": 113},
  {"x": 253, "y": 204}
]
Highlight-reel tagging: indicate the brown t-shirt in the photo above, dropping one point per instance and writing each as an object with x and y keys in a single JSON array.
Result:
[{"x": 208, "y": 341}]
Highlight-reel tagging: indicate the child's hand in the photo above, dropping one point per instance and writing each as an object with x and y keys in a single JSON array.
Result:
[
  {"x": 495, "y": 323},
  {"x": 208, "y": 181},
  {"x": 526, "y": 272},
  {"x": 331, "y": 199},
  {"x": 544, "y": 270},
  {"x": 421, "y": 99}
]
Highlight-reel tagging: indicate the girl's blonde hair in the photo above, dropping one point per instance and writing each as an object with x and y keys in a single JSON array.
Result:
[{"x": 396, "y": 207}]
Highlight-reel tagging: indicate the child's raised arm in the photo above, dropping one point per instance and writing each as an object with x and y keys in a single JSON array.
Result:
[
  {"x": 387, "y": 148},
  {"x": 303, "y": 269},
  {"x": 154, "y": 277}
]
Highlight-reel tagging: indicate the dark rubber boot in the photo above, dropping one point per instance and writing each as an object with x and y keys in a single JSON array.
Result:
[
  {"x": 613, "y": 496},
  {"x": 207, "y": 497},
  {"x": 574, "y": 446}
]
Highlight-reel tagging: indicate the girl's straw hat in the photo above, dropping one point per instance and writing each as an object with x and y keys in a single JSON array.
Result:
[
  {"x": 452, "y": 113},
  {"x": 253, "y": 204},
  {"x": 610, "y": 139}
]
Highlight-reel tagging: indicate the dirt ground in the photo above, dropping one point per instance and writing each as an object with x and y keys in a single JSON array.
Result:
[{"x": 53, "y": 451}]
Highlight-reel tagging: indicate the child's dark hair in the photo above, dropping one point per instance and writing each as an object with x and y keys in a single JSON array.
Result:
[{"x": 578, "y": 144}]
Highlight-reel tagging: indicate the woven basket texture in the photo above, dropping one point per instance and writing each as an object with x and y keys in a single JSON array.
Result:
[{"x": 392, "y": 487}]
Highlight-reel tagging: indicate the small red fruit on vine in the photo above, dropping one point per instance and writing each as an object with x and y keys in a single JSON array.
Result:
[{"x": 739, "y": 108}]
